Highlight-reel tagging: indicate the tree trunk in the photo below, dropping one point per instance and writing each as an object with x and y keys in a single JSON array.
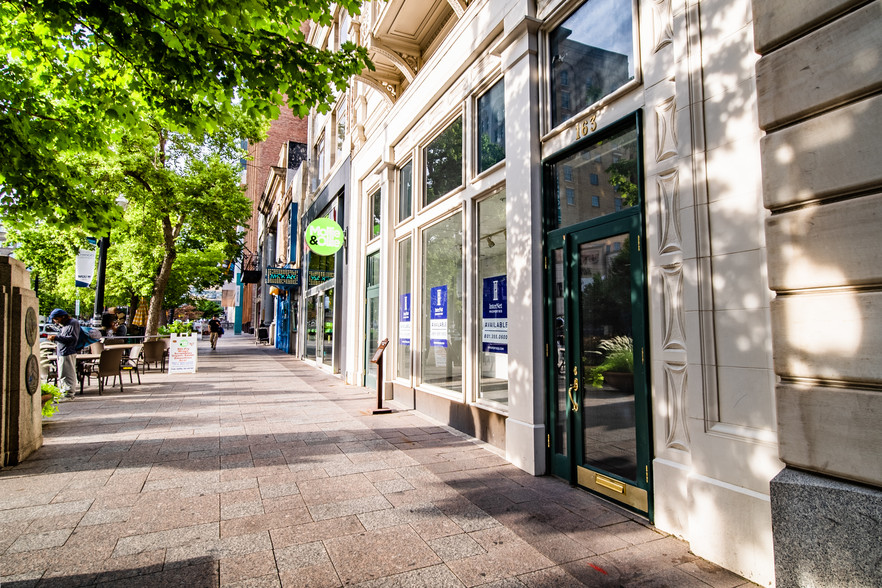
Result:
[{"x": 162, "y": 277}]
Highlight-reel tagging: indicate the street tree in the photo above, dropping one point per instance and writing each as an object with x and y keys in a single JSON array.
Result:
[{"x": 79, "y": 76}]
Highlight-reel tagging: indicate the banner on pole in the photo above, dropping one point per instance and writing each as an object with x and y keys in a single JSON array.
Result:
[{"x": 85, "y": 268}]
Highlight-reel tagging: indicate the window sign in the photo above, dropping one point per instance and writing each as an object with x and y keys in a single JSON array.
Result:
[
  {"x": 404, "y": 324},
  {"x": 438, "y": 321},
  {"x": 282, "y": 276},
  {"x": 494, "y": 335},
  {"x": 324, "y": 236}
]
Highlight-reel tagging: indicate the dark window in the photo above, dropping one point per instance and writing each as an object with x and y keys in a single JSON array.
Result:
[
  {"x": 595, "y": 180},
  {"x": 595, "y": 201},
  {"x": 491, "y": 127},
  {"x": 571, "y": 197},
  {"x": 405, "y": 191}
]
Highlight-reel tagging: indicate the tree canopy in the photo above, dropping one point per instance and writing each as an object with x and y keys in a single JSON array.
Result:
[{"x": 78, "y": 76}]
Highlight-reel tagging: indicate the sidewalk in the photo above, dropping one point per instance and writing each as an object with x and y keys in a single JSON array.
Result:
[{"x": 263, "y": 471}]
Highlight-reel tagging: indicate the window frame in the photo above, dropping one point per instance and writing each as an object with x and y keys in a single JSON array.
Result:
[
  {"x": 481, "y": 92},
  {"x": 446, "y": 124},
  {"x": 554, "y": 16}
]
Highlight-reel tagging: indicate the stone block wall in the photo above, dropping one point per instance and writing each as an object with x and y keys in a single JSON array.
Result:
[{"x": 819, "y": 84}]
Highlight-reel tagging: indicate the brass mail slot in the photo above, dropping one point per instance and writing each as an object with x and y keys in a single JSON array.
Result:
[
  {"x": 622, "y": 492},
  {"x": 601, "y": 480}
]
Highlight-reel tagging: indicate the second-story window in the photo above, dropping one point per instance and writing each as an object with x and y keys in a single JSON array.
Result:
[
  {"x": 491, "y": 126},
  {"x": 341, "y": 130},
  {"x": 443, "y": 161},
  {"x": 320, "y": 159},
  {"x": 405, "y": 191},
  {"x": 343, "y": 27},
  {"x": 376, "y": 215}
]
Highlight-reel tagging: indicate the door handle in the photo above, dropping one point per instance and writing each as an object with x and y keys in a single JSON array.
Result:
[{"x": 575, "y": 387}]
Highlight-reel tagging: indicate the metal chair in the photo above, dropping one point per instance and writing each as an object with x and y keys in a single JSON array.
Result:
[
  {"x": 109, "y": 364},
  {"x": 154, "y": 353},
  {"x": 133, "y": 363}
]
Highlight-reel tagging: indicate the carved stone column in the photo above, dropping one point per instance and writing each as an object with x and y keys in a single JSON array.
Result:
[{"x": 21, "y": 431}]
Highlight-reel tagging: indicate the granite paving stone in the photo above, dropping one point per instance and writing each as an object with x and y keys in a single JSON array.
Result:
[{"x": 262, "y": 471}]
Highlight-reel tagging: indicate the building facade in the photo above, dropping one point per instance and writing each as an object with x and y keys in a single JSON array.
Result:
[
  {"x": 554, "y": 210},
  {"x": 264, "y": 158}
]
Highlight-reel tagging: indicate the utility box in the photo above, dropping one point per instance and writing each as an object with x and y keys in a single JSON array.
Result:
[{"x": 21, "y": 429}]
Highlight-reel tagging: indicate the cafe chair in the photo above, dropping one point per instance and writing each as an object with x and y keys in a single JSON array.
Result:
[
  {"x": 48, "y": 365},
  {"x": 133, "y": 363},
  {"x": 109, "y": 364},
  {"x": 154, "y": 353}
]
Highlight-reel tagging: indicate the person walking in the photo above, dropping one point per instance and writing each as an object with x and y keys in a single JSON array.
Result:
[
  {"x": 214, "y": 327},
  {"x": 66, "y": 350}
]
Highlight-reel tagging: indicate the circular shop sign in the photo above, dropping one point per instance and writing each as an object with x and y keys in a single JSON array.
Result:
[{"x": 324, "y": 236}]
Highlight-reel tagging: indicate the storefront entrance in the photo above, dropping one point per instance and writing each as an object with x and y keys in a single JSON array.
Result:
[{"x": 597, "y": 364}]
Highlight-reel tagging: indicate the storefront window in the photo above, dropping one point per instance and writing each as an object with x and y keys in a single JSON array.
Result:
[
  {"x": 405, "y": 191},
  {"x": 441, "y": 357},
  {"x": 405, "y": 314},
  {"x": 493, "y": 305},
  {"x": 592, "y": 54},
  {"x": 443, "y": 157},
  {"x": 605, "y": 176},
  {"x": 375, "y": 213},
  {"x": 491, "y": 127}
]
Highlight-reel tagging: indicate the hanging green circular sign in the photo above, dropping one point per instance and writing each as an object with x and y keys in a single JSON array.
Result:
[{"x": 324, "y": 236}]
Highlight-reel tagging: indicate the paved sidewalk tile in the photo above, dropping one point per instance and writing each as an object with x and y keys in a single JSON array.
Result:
[{"x": 260, "y": 470}]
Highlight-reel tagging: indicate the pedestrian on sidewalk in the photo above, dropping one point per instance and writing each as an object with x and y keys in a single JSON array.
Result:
[
  {"x": 66, "y": 350},
  {"x": 214, "y": 327}
]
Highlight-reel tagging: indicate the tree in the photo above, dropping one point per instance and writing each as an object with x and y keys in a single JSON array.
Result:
[
  {"x": 80, "y": 75},
  {"x": 185, "y": 201}
]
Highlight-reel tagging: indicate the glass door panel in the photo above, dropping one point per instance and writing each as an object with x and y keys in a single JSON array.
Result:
[
  {"x": 311, "y": 327},
  {"x": 328, "y": 328},
  {"x": 607, "y": 356}
]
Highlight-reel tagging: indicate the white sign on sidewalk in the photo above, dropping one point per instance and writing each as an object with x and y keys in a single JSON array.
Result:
[{"x": 182, "y": 354}]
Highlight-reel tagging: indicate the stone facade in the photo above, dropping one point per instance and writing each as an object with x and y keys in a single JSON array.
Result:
[{"x": 819, "y": 103}]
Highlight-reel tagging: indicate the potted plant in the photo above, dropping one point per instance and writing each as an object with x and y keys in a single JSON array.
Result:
[
  {"x": 50, "y": 396},
  {"x": 617, "y": 368}
]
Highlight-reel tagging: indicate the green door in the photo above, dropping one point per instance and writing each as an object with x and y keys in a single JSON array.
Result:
[{"x": 599, "y": 418}]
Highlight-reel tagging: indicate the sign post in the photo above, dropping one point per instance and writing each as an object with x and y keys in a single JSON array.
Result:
[{"x": 378, "y": 359}]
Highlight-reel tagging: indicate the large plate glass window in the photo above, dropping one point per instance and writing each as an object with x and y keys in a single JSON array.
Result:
[
  {"x": 493, "y": 303},
  {"x": 405, "y": 311},
  {"x": 491, "y": 127},
  {"x": 443, "y": 161},
  {"x": 591, "y": 56},
  {"x": 441, "y": 357},
  {"x": 405, "y": 191}
]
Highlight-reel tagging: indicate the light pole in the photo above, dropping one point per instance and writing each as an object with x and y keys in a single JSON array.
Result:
[{"x": 103, "y": 244}]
